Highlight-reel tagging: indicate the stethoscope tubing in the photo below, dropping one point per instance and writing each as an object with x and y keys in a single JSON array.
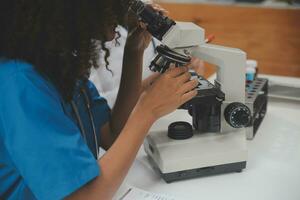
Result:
[{"x": 92, "y": 121}]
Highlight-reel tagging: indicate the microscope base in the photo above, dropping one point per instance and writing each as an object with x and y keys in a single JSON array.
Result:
[
  {"x": 201, "y": 155},
  {"x": 199, "y": 172}
]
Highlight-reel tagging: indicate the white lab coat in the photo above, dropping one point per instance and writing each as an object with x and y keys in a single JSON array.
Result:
[{"x": 108, "y": 83}]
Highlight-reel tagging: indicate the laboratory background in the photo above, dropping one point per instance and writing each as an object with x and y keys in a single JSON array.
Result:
[{"x": 238, "y": 138}]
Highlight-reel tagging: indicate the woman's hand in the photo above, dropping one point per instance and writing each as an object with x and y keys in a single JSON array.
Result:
[
  {"x": 197, "y": 65},
  {"x": 167, "y": 93},
  {"x": 147, "y": 82}
]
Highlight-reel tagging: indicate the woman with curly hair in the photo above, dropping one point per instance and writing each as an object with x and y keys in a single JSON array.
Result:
[{"x": 52, "y": 119}]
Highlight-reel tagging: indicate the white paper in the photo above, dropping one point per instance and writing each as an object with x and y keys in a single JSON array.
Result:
[{"x": 133, "y": 193}]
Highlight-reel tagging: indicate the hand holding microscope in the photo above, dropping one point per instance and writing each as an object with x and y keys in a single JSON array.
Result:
[{"x": 224, "y": 114}]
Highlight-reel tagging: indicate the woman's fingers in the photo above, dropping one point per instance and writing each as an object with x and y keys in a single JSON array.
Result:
[
  {"x": 197, "y": 65},
  {"x": 177, "y": 71},
  {"x": 188, "y": 96},
  {"x": 188, "y": 86},
  {"x": 160, "y": 9},
  {"x": 184, "y": 77}
]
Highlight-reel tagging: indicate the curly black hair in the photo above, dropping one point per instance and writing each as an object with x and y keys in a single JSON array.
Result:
[{"x": 58, "y": 36}]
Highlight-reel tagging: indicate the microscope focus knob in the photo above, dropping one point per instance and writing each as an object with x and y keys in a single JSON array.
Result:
[{"x": 237, "y": 115}]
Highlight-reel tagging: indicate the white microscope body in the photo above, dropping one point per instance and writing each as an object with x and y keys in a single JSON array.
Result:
[{"x": 204, "y": 153}]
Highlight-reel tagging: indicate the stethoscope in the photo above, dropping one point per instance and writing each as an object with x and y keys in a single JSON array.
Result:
[{"x": 92, "y": 121}]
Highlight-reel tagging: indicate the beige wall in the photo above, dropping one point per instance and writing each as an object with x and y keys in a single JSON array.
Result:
[{"x": 271, "y": 36}]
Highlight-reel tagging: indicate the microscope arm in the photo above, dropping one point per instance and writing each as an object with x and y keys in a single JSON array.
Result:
[
  {"x": 230, "y": 63},
  {"x": 189, "y": 39}
]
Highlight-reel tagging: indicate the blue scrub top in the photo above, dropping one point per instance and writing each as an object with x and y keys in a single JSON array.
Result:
[{"x": 42, "y": 152}]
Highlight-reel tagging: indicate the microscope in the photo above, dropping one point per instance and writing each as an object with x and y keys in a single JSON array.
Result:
[{"x": 215, "y": 143}]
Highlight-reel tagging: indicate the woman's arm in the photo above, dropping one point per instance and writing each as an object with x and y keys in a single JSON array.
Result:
[
  {"x": 129, "y": 92},
  {"x": 171, "y": 90},
  {"x": 131, "y": 81},
  {"x": 118, "y": 159},
  {"x": 130, "y": 87}
]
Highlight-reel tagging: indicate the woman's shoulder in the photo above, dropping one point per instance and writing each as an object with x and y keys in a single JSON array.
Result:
[
  {"x": 11, "y": 68},
  {"x": 18, "y": 74}
]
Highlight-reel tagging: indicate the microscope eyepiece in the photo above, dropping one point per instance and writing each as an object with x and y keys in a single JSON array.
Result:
[{"x": 157, "y": 24}]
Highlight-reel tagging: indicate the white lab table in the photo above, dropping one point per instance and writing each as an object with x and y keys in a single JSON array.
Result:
[{"x": 273, "y": 167}]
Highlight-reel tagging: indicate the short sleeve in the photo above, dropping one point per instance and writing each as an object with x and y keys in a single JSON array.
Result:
[
  {"x": 44, "y": 144},
  {"x": 101, "y": 110}
]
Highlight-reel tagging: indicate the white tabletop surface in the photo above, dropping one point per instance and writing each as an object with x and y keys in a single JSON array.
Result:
[{"x": 272, "y": 172}]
